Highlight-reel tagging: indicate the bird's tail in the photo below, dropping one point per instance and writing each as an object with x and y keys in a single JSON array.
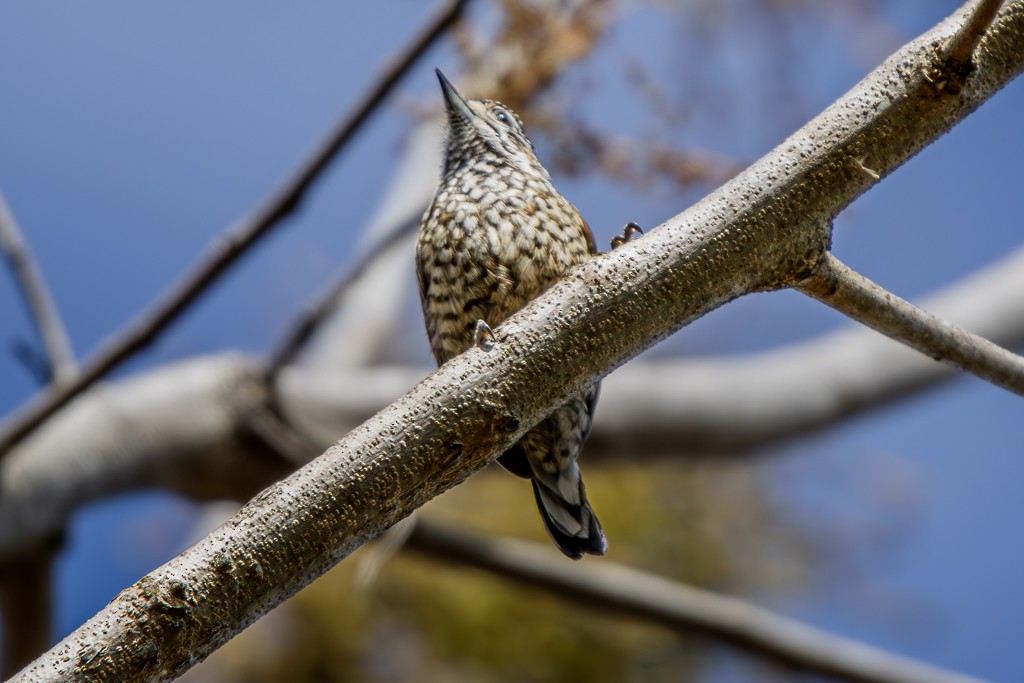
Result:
[{"x": 570, "y": 520}]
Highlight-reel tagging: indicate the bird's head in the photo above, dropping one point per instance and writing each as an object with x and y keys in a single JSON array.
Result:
[{"x": 484, "y": 127}]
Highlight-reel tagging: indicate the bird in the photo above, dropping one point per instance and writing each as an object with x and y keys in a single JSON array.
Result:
[{"x": 496, "y": 235}]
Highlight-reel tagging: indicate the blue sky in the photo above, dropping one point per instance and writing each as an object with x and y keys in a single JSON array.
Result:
[{"x": 133, "y": 134}]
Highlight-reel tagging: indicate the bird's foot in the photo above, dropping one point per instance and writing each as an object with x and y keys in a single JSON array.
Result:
[
  {"x": 483, "y": 336},
  {"x": 629, "y": 233}
]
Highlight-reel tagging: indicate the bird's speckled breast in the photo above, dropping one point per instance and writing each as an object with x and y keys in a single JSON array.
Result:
[{"x": 500, "y": 238}]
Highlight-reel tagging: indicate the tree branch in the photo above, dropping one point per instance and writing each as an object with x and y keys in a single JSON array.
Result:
[
  {"x": 961, "y": 48},
  {"x": 60, "y": 357},
  {"x": 158, "y": 428},
  {"x": 326, "y": 303},
  {"x": 26, "y": 590},
  {"x": 764, "y": 229},
  {"x": 26, "y": 595},
  {"x": 710, "y": 405},
  {"x": 162, "y": 427},
  {"x": 646, "y": 596},
  {"x": 639, "y": 594},
  {"x": 175, "y": 428},
  {"x": 845, "y": 290},
  {"x": 229, "y": 248}
]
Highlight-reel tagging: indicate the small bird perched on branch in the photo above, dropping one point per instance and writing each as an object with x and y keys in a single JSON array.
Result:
[{"x": 496, "y": 235}]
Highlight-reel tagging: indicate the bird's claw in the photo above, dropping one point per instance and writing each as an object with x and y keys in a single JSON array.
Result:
[
  {"x": 629, "y": 233},
  {"x": 483, "y": 336}
]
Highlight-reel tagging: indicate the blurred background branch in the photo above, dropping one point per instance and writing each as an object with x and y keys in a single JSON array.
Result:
[
  {"x": 228, "y": 248},
  {"x": 26, "y": 580},
  {"x": 638, "y": 594},
  {"x": 59, "y": 358}
]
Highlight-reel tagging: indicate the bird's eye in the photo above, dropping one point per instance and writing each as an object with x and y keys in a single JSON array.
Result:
[{"x": 502, "y": 116}]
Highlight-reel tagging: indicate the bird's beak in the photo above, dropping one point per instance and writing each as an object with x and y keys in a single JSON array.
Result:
[{"x": 453, "y": 98}]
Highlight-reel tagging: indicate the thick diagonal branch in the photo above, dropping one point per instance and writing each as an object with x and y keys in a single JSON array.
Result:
[
  {"x": 177, "y": 420},
  {"x": 764, "y": 229},
  {"x": 646, "y": 596}
]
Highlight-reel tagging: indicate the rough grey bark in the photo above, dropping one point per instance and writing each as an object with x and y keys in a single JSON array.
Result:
[{"x": 765, "y": 229}]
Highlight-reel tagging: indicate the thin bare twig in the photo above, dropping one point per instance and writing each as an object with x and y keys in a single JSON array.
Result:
[
  {"x": 300, "y": 332},
  {"x": 962, "y": 46},
  {"x": 836, "y": 285},
  {"x": 678, "y": 606},
  {"x": 60, "y": 357},
  {"x": 227, "y": 250}
]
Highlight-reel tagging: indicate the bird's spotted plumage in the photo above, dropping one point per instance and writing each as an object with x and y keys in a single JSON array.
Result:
[{"x": 496, "y": 235}]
